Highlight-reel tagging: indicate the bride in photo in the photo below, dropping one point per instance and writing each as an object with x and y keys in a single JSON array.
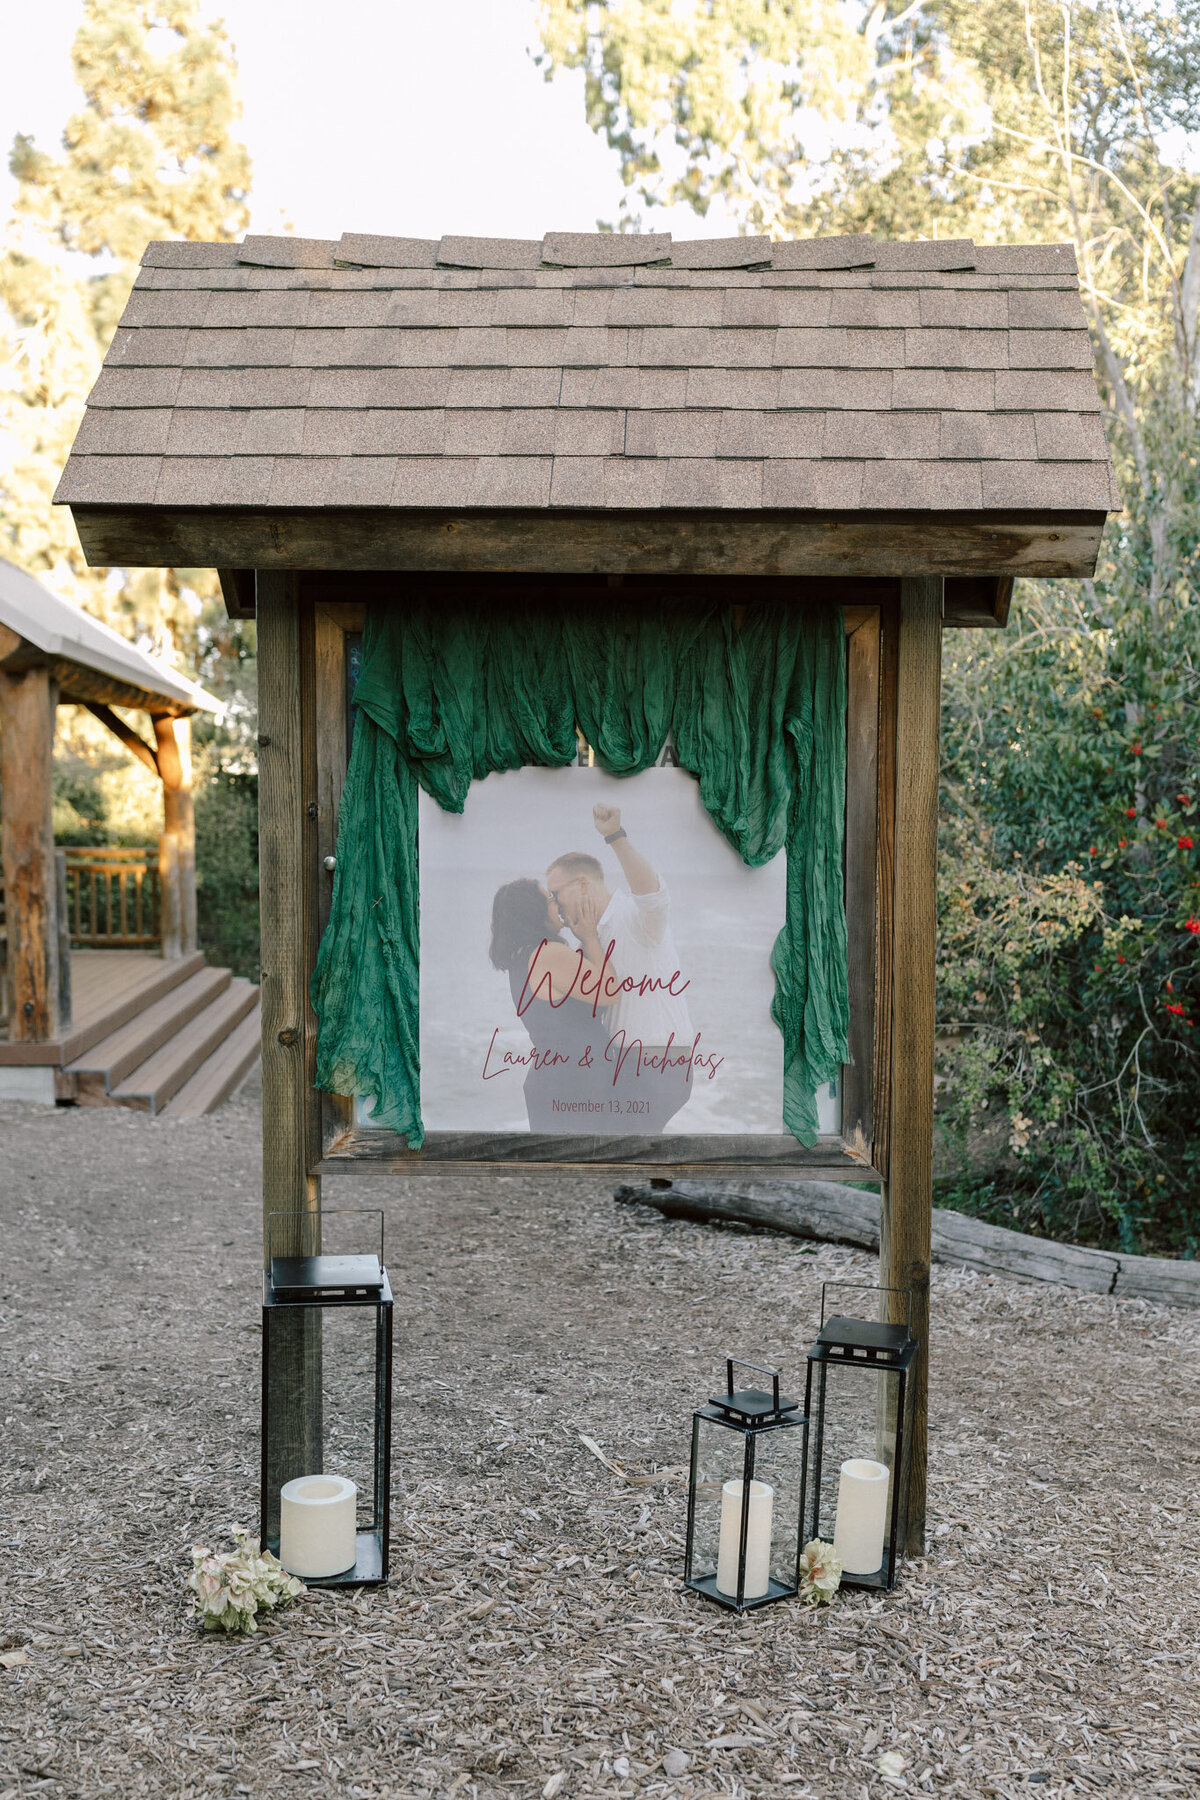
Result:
[{"x": 554, "y": 993}]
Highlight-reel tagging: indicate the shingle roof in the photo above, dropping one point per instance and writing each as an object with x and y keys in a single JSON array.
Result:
[{"x": 598, "y": 370}]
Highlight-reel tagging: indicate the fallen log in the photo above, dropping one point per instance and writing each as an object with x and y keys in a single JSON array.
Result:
[{"x": 831, "y": 1213}]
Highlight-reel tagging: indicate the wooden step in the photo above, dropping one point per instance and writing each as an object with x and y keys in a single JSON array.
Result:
[
  {"x": 106, "y": 1064},
  {"x": 150, "y": 1086},
  {"x": 113, "y": 999},
  {"x": 224, "y": 1071}
]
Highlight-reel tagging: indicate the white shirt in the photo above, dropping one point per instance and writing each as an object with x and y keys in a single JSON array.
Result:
[{"x": 639, "y": 928}]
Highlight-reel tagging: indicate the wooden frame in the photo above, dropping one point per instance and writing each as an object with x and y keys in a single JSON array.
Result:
[{"x": 852, "y": 1155}]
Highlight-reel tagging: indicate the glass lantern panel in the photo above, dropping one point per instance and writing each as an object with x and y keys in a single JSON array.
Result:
[
  {"x": 320, "y": 1402},
  {"x": 779, "y": 1463},
  {"x": 348, "y": 1401},
  {"x": 857, "y": 1427},
  {"x": 720, "y": 1456}
]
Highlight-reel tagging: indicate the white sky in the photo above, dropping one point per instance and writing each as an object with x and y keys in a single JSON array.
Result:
[{"x": 416, "y": 117}]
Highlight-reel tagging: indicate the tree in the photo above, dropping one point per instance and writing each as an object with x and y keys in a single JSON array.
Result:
[
  {"x": 153, "y": 152},
  {"x": 1069, "y": 894}
]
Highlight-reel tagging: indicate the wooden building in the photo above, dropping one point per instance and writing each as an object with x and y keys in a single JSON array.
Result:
[
  {"x": 130, "y": 1014},
  {"x": 896, "y": 429}
]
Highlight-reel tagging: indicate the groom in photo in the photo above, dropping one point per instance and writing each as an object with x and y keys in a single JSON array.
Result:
[{"x": 641, "y": 1026}]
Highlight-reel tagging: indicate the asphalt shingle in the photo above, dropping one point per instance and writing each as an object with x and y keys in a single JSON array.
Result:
[
  {"x": 605, "y": 370},
  {"x": 385, "y": 252},
  {"x": 287, "y": 252},
  {"x": 1025, "y": 485},
  {"x": 605, "y": 249},
  {"x": 258, "y": 431},
  {"x": 721, "y": 253},
  {"x": 490, "y": 253},
  {"x": 824, "y": 253},
  {"x": 117, "y": 431},
  {"x": 933, "y": 348},
  {"x": 332, "y": 481},
  {"x": 922, "y": 486},
  {"x": 214, "y": 481},
  {"x": 136, "y": 387},
  {"x": 1051, "y": 390},
  {"x": 867, "y": 435},
  {"x": 928, "y": 254},
  {"x": 985, "y": 435}
]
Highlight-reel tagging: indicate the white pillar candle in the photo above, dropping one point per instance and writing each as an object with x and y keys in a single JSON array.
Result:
[
  {"x": 861, "y": 1523},
  {"x": 758, "y": 1539},
  {"x": 317, "y": 1523}
]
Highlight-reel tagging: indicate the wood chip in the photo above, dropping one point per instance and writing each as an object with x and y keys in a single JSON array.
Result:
[{"x": 536, "y": 1631}]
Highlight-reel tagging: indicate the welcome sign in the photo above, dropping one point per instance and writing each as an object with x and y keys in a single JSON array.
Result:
[{"x": 595, "y": 959}]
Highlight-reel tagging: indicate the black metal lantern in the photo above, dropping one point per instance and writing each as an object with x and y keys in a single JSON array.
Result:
[
  {"x": 326, "y": 1399},
  {"x": 858, "y": 1399},
  {"x": 746, "y": 1495}
]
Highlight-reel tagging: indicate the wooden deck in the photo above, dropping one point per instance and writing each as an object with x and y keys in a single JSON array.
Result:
[
  {"x": 108, "y": 988},
  {"x": 160, "y": 1035}
]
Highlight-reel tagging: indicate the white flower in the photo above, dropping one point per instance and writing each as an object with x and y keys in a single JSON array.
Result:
[
  {"x": 820, "y": 1573},
  {"x": 229, "y": 1589}
]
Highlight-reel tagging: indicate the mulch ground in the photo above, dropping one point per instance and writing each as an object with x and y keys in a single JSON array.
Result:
[{"x": 535, "y": 1639}]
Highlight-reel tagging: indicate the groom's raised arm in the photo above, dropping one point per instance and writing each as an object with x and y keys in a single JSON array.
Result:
[{"x": 637, "y": 871}]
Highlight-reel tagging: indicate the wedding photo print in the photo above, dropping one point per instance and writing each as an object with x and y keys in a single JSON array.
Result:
[{"x": 595, "y": 960}]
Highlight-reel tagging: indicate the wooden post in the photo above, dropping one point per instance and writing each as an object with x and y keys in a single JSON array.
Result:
[
  {"x": 291, "y": 1142},
  {"x": 177, "y": 846},
  {"x": 907, "y": 1214},
  {"x": 63, "y": 920},
  {"x": 27, "y": 705}
]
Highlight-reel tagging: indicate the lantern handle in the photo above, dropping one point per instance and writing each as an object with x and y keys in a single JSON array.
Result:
[{"x": 741, "y": 1363}]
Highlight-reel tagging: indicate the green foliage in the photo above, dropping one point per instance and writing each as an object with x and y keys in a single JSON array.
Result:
[
  {"x": 1070, "y": 919},
  {"x": 227, "y": 868},
  {"x": 153, "y": 151}
]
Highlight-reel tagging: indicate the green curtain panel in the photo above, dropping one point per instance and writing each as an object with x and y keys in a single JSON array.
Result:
[{"x": 755, "y": 699}]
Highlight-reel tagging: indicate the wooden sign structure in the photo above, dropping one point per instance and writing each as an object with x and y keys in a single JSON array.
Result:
[{"x": 899, "y": 429}]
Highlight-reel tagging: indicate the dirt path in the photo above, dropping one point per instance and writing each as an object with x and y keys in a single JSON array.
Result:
[{"x": 535, "y": 1639}]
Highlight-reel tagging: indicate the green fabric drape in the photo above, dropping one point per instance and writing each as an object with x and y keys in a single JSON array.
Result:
[{"x": 755, "y": 699}]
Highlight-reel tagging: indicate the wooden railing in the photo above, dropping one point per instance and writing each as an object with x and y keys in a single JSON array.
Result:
[{"x": 113, "y": 899}]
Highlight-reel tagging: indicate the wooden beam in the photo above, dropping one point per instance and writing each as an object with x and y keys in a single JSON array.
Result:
[
  {"x": 290, "y": 1185},
  {"x": 524, "y": 1152},
  {"x": 27, "y": 704},
  {"x": 575, "y": 543},
  {"x": 237, "y": 591},
  {"x": 177, "y": 845},
  {"x": 907, "y": 1200},
  {"x": 977, "y": 602},
  {"x": 287, "y": 1019},
  {"x": 124, "y": 733}
]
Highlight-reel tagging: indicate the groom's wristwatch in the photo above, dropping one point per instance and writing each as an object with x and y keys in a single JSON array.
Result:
[{"x": 619, "y": 833}]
